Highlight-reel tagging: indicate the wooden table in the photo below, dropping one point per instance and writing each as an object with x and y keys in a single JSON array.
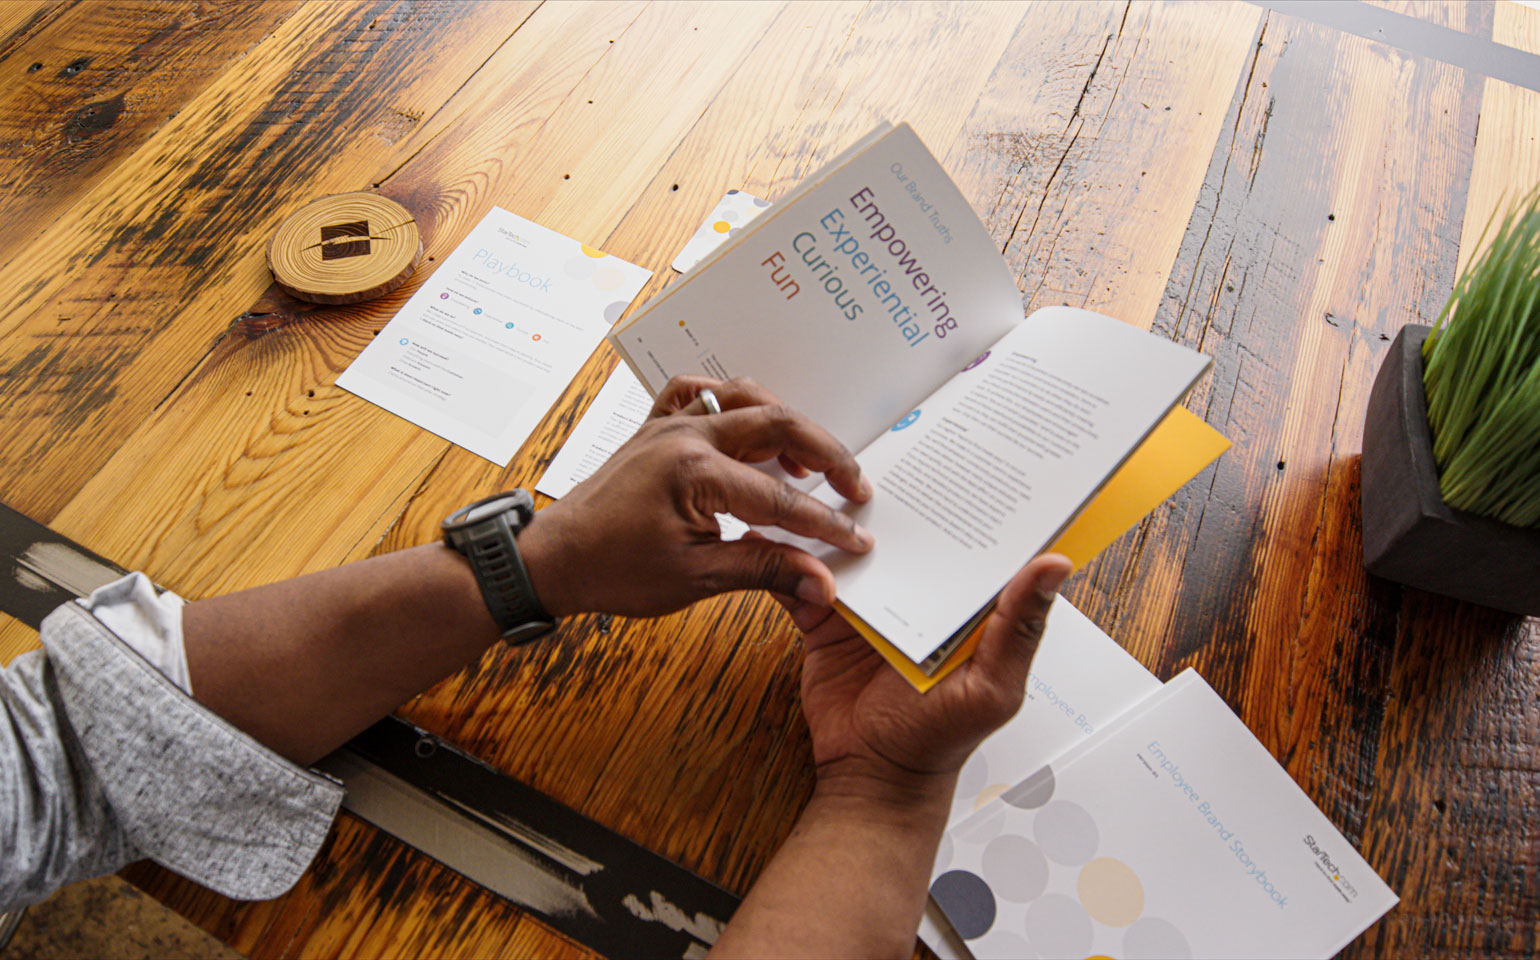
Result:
[{"x": 1275, "y": 192}]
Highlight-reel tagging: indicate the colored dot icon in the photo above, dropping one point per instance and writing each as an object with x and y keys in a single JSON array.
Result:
[
  {"x": 477, "y": 311},
  {"x": 443, "y": 296},
  {"x": 508, "y": 325},
  {"x": 909, "y": 419},
  {"x": 535, "y": 337},
  {"x": 721, "y": 226},
  {"x": 405, "y": 341}
]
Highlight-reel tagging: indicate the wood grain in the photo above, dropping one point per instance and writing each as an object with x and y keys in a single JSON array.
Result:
[
  {"x": 1279, "y": 195},
  {"x": 89, "y": 84},
  {"x": 148, "y": 265}
]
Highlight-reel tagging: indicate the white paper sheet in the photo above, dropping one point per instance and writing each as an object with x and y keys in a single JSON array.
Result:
[{"x": 490, "y": 340}]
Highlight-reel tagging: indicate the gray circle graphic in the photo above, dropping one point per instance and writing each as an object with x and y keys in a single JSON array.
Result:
[
  {"x": 1032, "y": 792},
  {"x": 967, "y": 902},
  {"x": 1057, "y": 926},
  {"x": 1151, "y": 938},
  {"x": 1015, "y": 868},
  {"x": 614, "y": 310},
  {"x": 1003, "y": 943},
  {"x": 1066, "y": 833},
  {"x": 974, "y": 776}
]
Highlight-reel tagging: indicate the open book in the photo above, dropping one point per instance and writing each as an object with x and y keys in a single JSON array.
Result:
[{"x": 873, "y": 300}]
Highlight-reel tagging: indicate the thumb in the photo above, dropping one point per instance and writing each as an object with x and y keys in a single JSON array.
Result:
[
  {"x": 756, "y": 563},
  {"x": 1015, "y": 628}
]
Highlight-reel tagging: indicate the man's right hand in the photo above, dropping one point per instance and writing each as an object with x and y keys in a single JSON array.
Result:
[{"x": 640, "y": 536}]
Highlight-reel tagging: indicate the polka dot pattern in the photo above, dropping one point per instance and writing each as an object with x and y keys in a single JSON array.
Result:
[
  {"x": 1018, "y": 866},
  {"x": 1027, "y": 878},
  {"x": 966, "y": 899},
  {"x": 1066, "y": 833}
]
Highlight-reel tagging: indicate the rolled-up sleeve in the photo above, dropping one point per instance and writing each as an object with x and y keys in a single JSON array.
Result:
[{"x": 104, "y": 760}]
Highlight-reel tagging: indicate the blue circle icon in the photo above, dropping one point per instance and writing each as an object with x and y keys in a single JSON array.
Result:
[
  {"x": 909, "y": 418},
  {"x": 477, "y": 311},
  {"x": 405, "y": 341},
  {"x": 509, "y": 325}
]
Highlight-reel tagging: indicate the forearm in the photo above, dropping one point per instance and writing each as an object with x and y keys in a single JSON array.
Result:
[
  {"x": 304, "y": 664},
  {"x": 851, "y": 879}
]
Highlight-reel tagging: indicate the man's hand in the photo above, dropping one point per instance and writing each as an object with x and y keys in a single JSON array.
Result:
[
  {"x": 850, "y": 880},
  {"x": 872, "y": 731},
  {"x": 640, "y": 536}
]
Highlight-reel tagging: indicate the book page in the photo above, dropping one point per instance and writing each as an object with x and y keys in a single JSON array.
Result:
[
  {"x": 985, "y": 472},
  {"x": 1172, "y": 832},
  {"x": 850, "y": 300}
]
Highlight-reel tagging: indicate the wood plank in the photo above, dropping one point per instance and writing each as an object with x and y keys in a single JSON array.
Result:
[
  {"x": 139, "y": 278},
  {"x": 316, "y": 474},
  {"x": 1464, "y": 717},
  {"x": 93, "y": 83},
  {"x": 1325, "y": 224},
  {"x": 20, "y": 17},
  {"x": 1507, "y": 159}
]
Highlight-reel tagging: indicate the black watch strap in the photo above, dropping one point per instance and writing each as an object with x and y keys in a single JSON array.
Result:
[{"x": 485, "y": 532}]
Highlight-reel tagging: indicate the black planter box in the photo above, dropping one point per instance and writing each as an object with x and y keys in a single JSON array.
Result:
[{"x": 1410, "y": 536}]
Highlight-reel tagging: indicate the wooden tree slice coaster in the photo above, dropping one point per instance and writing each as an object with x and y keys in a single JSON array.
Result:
[{"x": 345, "y": 248}]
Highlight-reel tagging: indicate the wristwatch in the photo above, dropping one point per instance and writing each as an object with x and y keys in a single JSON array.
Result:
[{"x": 485, "y": 533}]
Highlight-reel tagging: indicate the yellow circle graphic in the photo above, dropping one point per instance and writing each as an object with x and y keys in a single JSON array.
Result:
[
  {"x": 988, "y": 794},
  {"x": 591, "y": 251},
  {"x": 721, "y": 226},
  {"x": 1111, "y": 892}
]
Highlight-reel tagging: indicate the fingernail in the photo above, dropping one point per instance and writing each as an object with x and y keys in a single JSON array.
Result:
[
  {"x": 863, "y": 536},
  {"x": 812, "y": 590},
  {"x": 1048, "y": 584},
  {"x": 866, "y": 487}
]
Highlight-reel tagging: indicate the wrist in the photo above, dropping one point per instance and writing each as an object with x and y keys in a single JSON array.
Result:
[
  {"x": 545, "y": 552},
  {"x": 880, "y": 786}
]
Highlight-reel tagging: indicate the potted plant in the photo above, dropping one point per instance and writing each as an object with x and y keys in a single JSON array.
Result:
[{"x": 1451, "y": 462}]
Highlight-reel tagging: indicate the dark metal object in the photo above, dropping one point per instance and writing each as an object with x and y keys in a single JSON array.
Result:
[
  {"x": 577, "y": 876},
  {"x": 9, "y": 921},
  {"x": 1410, "y": 535}
]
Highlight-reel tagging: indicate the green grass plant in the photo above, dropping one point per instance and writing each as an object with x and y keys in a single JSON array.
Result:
[{"x": 1481, "y": 372}]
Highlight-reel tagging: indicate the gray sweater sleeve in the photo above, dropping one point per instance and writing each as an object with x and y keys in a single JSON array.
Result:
[{"x": 104, "y": 761}]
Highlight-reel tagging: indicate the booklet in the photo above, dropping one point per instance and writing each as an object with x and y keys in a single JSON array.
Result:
[
  {"x": 1081, "y": 680},
  {"x": 858, "y": 299},
  {"x": 1171, "y": 832},
  {"x": 489, "y": 341}
]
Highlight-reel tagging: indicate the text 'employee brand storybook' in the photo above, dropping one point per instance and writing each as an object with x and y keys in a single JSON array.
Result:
[{"x": 873, "y": 300}]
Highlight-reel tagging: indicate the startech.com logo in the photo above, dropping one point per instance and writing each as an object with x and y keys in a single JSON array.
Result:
[{"x": 1329, "y": 868}]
